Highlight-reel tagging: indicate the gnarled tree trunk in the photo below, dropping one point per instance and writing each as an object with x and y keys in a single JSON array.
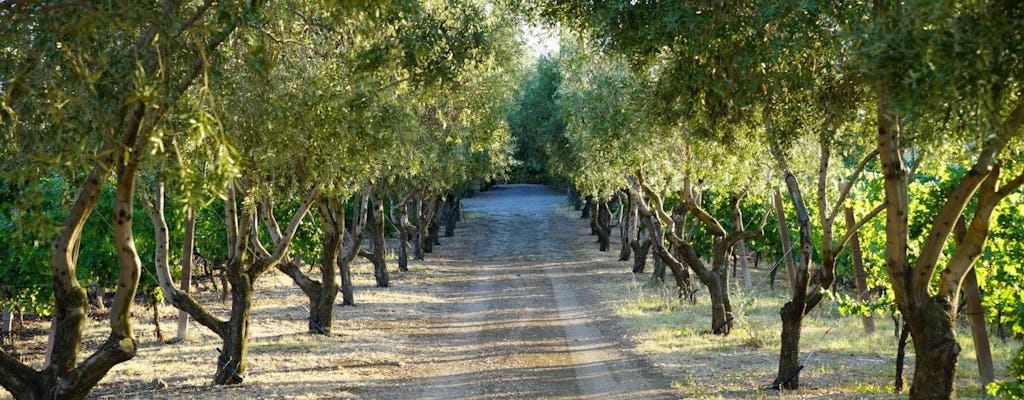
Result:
[
  {"x": 628, "y": 231},
  {"x": 241, "y": 272},
  {"x": 803, "y": 298},
  {"x": 450, "y": 215},
  {"x": 715, "y": 278},
  {"x": 378, "y": 249},
  {"x": 601, "y": 224},
  {"x": 322, "y": 294},
  {"x": 930, "y": 315},
  {"x": 405, "y": 229},
  {"x": 62, "y": 375}
]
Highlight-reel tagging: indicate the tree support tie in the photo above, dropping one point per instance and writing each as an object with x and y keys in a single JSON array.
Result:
[
  {"x": 792, "y": 375},
  {"x": 223, "y": 362},
  {"x": 311, "y": 321},
  {"x": 718, "y": 329}
]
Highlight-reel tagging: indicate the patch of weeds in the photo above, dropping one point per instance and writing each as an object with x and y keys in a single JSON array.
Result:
[
  {"x": 286, "y": 345},
  {"x": 868, "y": 388},
  {"x": 752, "y": 341}
]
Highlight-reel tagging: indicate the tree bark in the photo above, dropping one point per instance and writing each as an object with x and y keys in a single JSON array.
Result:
[
  {"x": 901, "y": 354},
  {"x": 405, "y": 231},
  {"x": 378, "y": 254},
  {"x": 188, "y": 248},
  {"x": 628, "y": 231},
  {"x": 451, "y": 213},
  {"x": 434, "y": 226},
  {"x": 6, "y": 320},
  {"x": 231, "y": 363},
  {"x": 780, "y": 216},
  {"x": 979, "y": 332},
  {"x": 601, "y": 224},
  {"x": 788, "y": 376}
]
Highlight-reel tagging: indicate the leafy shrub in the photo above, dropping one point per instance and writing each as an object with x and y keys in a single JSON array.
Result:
[{"x": 1014, "y": 388}]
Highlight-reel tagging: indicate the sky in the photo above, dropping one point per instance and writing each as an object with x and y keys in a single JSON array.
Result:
[{"x": 540, "y": 40}]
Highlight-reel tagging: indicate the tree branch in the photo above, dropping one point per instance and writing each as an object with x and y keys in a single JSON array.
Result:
[
  {"x": 945, "y": 220},
  {"x": 281, "y": 249},
  {"x": 852, "y": 230},
  {"x": 848, "y": 185},
  {"x": 709, "y": 221}
]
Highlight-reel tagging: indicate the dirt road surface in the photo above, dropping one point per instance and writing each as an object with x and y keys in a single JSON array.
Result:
[{"x": 522, "y": 323}]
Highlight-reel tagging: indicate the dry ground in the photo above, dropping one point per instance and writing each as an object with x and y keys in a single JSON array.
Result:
[{"x": 519, "y": 304}]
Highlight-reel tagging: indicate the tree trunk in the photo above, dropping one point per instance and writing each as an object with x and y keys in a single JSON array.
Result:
[
  {"x": 378, "y": 255},
  {"x": 451, "y": 214},
  {"x": 231, "y": 363},
  {"x": 901, "y": 355},
  {"x": 156, "y": 321},
  {"x": 587, "y": 205},
  {"x": 405, "y": 230},
  {"x": 351, "y": 251},
  {"x": 322, "y": 294},
  {"x": 659, "y": 272},
  {"x": 601, "y": 223},
  {"x": 717, "y": 282},
  {"x": 788, "y": 376},
  {"x": 715, "y": 278},
  {"x": 721, "y": 309},
  {"x": 793, "y": 312},
  {"x": 641, "y": 248},
  {"x": 434, "y": 224},
  {"x": 6, "y": 320},
  {"x": 240, "y": 275},
  {"x": 404, "y": 238},
  {"x": 574, "y": 198},
  {"x": 741, "y": 252},
  {"x": 188, "y": 248},
  {"x": 859, "y": 273},
  {"x": 787, "y": 257},
  {"x": 628, "y": 231},
  {"x": 420, "y": 238},
  {"x": 323, "y": 314},
  {"x": 979, "y": 332},
  {"x": 936, "y": 350}
]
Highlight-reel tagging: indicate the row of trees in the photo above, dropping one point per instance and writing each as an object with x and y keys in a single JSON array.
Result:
[
  {"x": 903, "y": 115},
  {"x": 217, "y": 120}
]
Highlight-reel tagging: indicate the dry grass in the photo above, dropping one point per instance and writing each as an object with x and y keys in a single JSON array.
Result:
[{"x": 840, "y": 360}]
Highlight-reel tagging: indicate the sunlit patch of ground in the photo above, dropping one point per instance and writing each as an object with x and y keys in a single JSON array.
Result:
[{"x": 840, "y": 360}]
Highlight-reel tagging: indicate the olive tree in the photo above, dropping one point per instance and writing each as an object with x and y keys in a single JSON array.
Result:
[
  {"x": 967, "y": 85},
  {"x": 95, "y": 81}
]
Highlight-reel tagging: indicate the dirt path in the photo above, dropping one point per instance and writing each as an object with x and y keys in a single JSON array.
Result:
[{"x": 521, "y": 323}]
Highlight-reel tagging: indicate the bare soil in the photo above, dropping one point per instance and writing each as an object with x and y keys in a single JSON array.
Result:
[{"x": 508, "y": 308}]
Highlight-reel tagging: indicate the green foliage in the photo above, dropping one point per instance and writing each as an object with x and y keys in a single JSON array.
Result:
[
  {"x": 537, "y": 125},
  {"x": 1014, "y": 387},
  {"x": 999, "y": 271}
]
